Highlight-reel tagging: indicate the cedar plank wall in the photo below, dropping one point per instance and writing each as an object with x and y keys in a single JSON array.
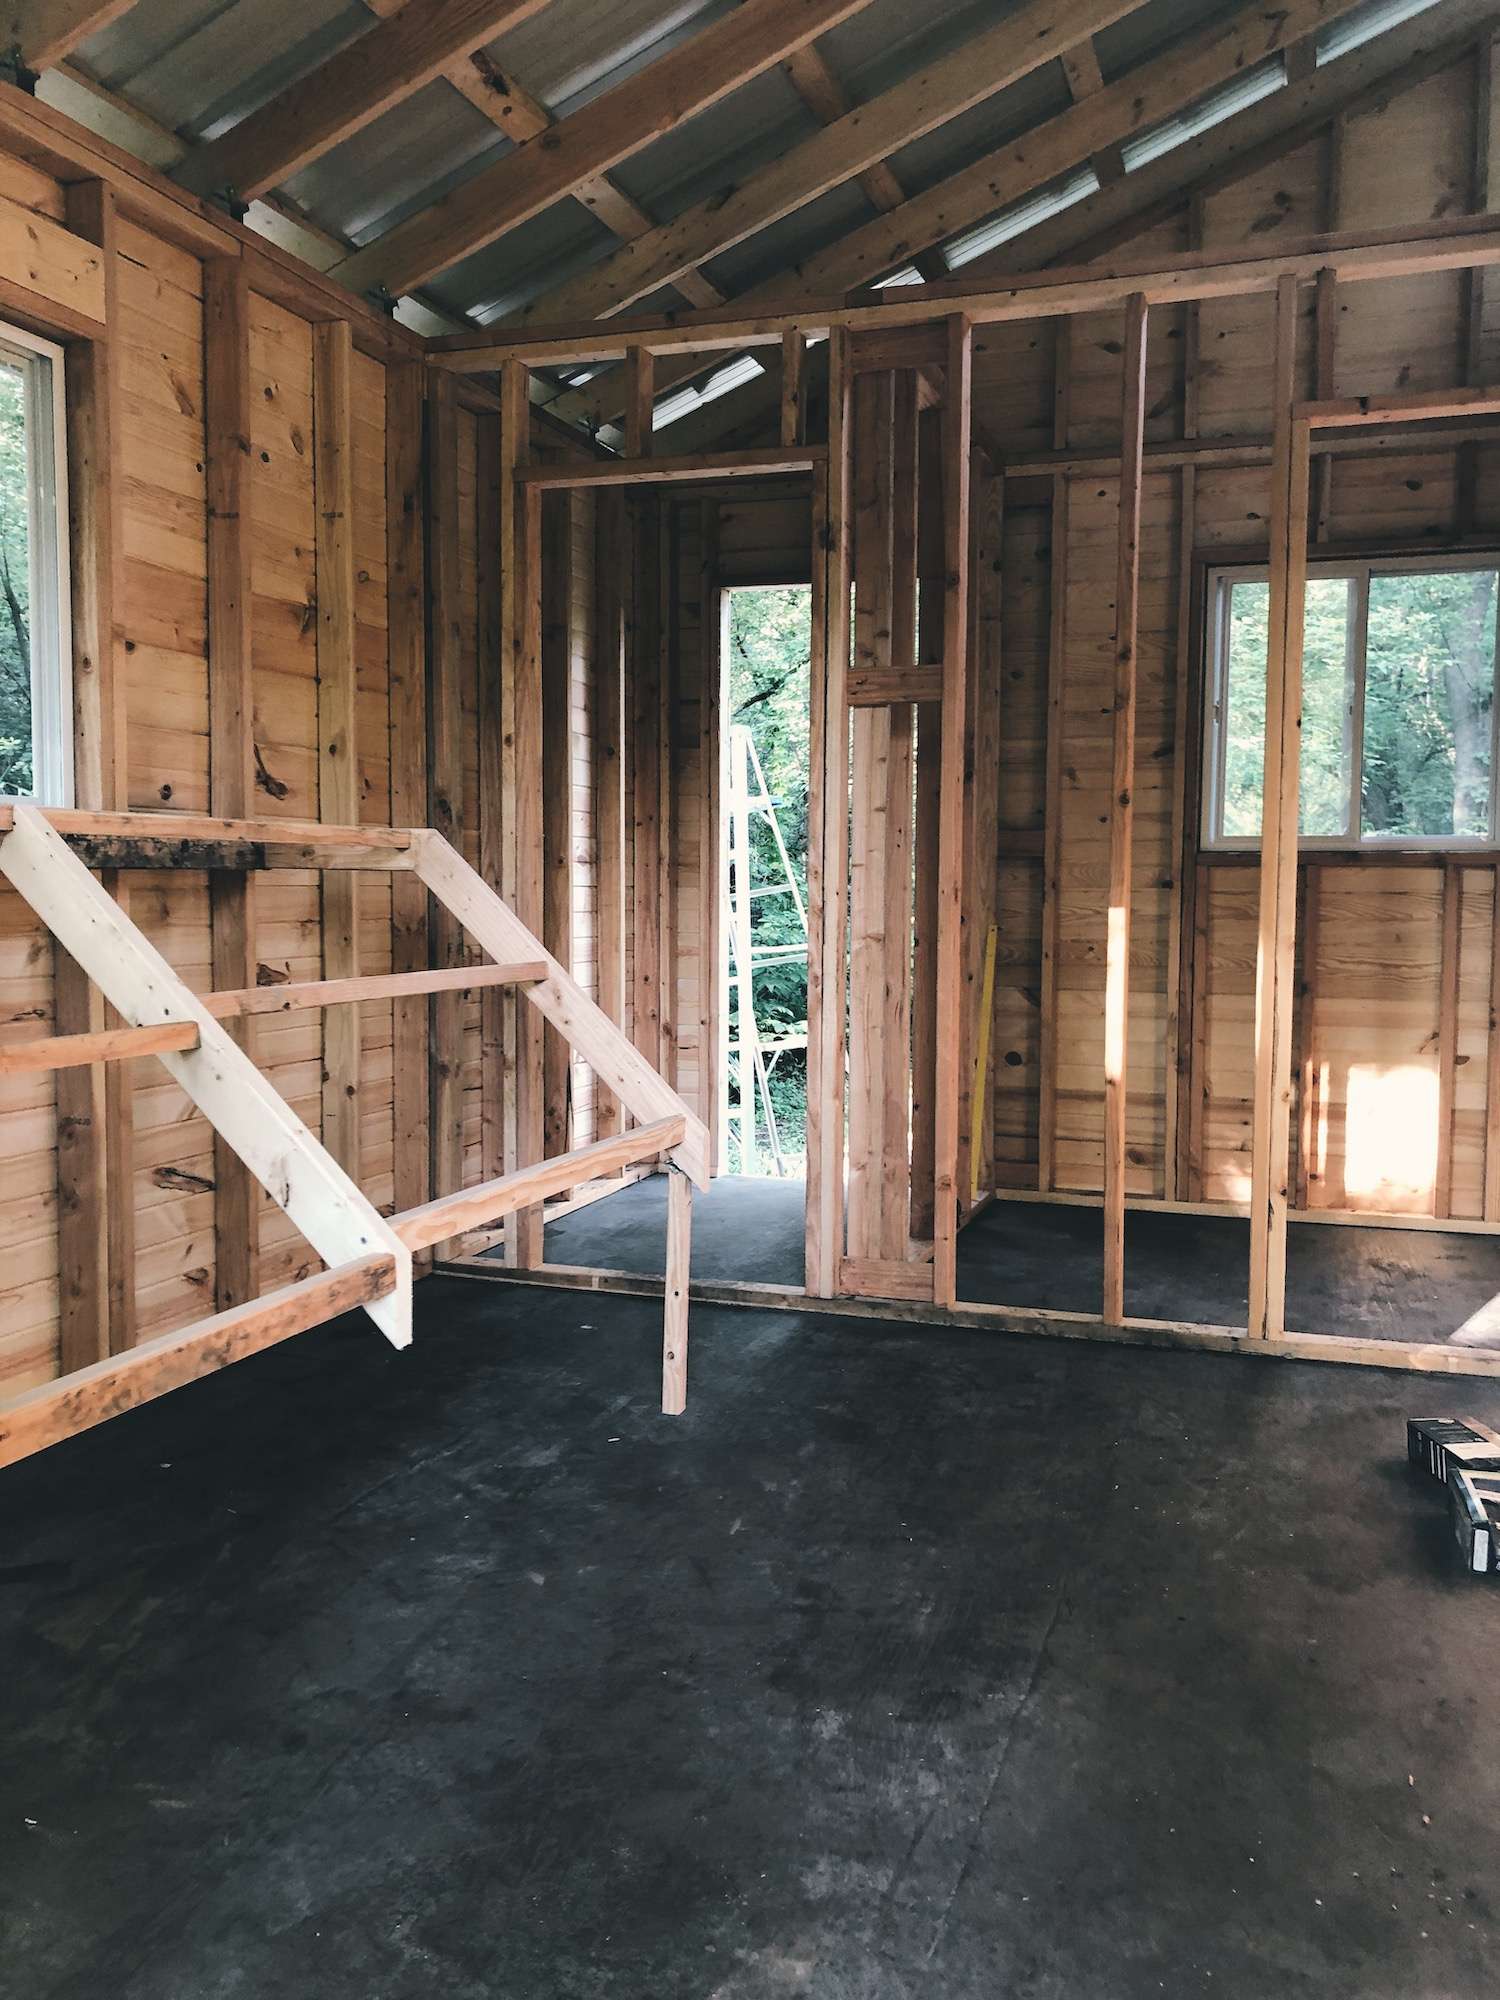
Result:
[
  {"x": 162, "y": 618},
  {"x": 1375, "y": 978}
]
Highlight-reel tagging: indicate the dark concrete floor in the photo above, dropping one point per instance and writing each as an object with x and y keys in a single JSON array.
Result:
[
  {"x": 1380, "y": 1284},
  {"x": 909, "y": 1665}
]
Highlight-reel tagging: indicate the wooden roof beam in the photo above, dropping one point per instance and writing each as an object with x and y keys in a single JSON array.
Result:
[
  {"x": 511, "y": 109},
  {"x": 1400, "y": 59},
  {"x": 1134, "y": 103},
  {"x": 826, "y": 98},
  {"x": 690, "y": 78},
  {"x": 47, "y": 31},
  {"x": 354, "y": 86},
  {"x": 1086, "y": 79},
  {"x": 984, "y": 65}
]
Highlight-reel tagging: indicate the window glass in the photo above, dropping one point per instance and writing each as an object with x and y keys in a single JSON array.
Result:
[
  {"x": 16, "y": 758},
  {"x": 1323, "y": 798},
  {"x": 1243, "y": 715},
  {"x": 1429, "y": 696},
  {"x": 36, "y": 724},
  {"x": 1398, "y": 698}
]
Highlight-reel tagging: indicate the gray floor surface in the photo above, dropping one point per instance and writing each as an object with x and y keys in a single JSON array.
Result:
[
  {"x": 908, "y": 1663},
  {"x": 1380, "y": 1284}
]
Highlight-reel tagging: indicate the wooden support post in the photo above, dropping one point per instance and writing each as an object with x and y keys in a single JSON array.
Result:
[
  {"x": 445, "y": 770},
  {"x": 712, "y": 702},
  {"x": 640, "y": 396},
  {"x": 527, "y": 831},
  {"x": 1275, "y": 997},
  {"x": 1122, "y": 811},
  {"x": 514, "y": 452},
  {"x": 557, "y": 793},
  {"x": 1053, "y": 800},
  {"x": 929, "y": 763},
  {"x": 490, "y": 666},
  {"x": 1181, "y": 1001},
  {"x": 675, "y": 1313},
  {"x": 644, "y": 669},
  {"x": 406, "y": 588},
  {"x": 95, "y": 1116},
  {"x": 338, "y": 760},
  {"x": 793, "y": 386},
  {"x": 1451, "y": 948},
  {"x": 608, "y": 737},
  {"x": 880, "y": 749},
  {"x": 982, "y": 727},
  {"x": 950, "y": 968},
  {"x": 1309, "y": 1110},
  {"x": 828, "y": 837},
  {"x": 231, "y": 720}
]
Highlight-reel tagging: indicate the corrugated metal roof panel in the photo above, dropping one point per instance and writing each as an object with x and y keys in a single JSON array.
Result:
[
  {"x": 719, "y": 147},
  {"x": 1147, "y": 30},
  {"x": 222, "y": 62},
  {"x": 574, "y": 49},
  {"x": 892, "y": 38},
  {"x": 400, "y": 163},
  {"x": 993, "y": 123},
  {"x": 507, "y": 275},
  {"x": 797, "y": 236}
]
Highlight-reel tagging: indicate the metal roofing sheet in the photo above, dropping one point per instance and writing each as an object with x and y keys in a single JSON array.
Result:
[
  {"x": 196, "y": 64},
  {"x": 399, "y": 163}
]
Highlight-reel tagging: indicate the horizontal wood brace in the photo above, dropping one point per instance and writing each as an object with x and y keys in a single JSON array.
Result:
[
  {"x": 691, "y": 465},
  {"x": 881, "y": 687},
  {"x": 108, "y": 1045},
  {"x": 304, "y": 993},
  {"x": 105, "y": 1389},
  {"x": 472, "y": 1208},
  {"x": 199, "y": 827}
]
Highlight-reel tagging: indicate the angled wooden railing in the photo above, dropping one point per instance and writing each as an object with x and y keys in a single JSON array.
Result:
[{"x": 47, "y": 856}]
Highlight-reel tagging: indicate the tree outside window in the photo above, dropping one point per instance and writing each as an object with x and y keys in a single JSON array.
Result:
[{"x": 1398, "y": 716}]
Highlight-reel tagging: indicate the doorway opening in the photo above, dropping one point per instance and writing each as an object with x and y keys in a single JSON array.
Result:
[{"x": 767, "y": 653}]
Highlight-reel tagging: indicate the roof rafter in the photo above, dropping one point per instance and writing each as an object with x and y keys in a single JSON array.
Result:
[
  {"x": 826, "y": 98},
  {"x": 511, "y": 109},
  {"x": 47, "y": 31},
  {"x": 1259, "y": 135},
  {"x": 398, "y": 56},
  {"x": 689, "y": 79},
  {"x": 1132, "y": 104},
  {"x": 987, "y": 63}
]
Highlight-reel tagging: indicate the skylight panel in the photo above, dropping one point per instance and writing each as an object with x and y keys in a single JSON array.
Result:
[
  {"x": 1023, "y": 215},
  {"x": 682, "y": 401},
  {"x": 1262, "y": 81},
  {"x": 1363, "y": 25}
]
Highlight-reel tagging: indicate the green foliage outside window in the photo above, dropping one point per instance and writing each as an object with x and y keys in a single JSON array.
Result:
[
  {"x": 1424, "y": 723},
  {"x": 15, "y": 588},
  {"x": 769, "y": 663}
]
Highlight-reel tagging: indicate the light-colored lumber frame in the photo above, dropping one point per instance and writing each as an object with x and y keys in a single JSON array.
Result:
[{"x": 369, "y": 1257}]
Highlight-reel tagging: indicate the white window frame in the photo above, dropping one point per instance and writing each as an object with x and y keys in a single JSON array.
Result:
[
  {"x": 47, "y": 550},
  {"x": 1218, "y": 584}
]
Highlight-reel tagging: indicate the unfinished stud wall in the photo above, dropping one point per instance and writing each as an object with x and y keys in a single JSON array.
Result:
[
  {"x": 273, "y": 487},
  {"x": 1398, "y": 1074}
]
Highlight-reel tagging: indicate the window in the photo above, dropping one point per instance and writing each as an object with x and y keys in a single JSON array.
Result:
[
  {"x": 36, "y": 708},
  {"x": 1398, "y": 704}
]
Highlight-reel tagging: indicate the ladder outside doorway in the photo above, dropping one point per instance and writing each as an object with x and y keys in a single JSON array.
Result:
[{"x": 745, "y": 1085}]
